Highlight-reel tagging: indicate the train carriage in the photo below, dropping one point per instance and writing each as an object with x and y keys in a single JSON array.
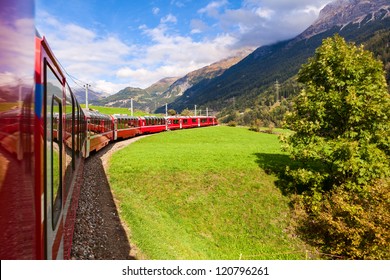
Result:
[
  {"x": 126, "y": 126},
  {"x": 100, "y": 130},
  {"x": 174, "y": 123},
  {"x": 62, "y": 157},
  {"x": 44, "y": 137},
  {"x": 152, "y": 124},
  {"x": 40, "y": 168},
  {"x": 207, "y": 121}
]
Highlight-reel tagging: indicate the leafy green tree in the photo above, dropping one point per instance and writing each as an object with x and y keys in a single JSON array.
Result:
[
  {"x": 171, "y": 112},
  {"x": 186, "y": 112},
  {"x": 341, "y": 139},
  {"x": 341, "y": 118}
]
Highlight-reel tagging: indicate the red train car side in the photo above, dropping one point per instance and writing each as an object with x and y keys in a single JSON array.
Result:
[
  {"x": 19, "y": 221},
  {"x": 126, "y": 126},
  {"x": 152, "y": 124},
  {"x": 182, "y": 122},
  {"x": 100, "y": 130},
  {"x": 41, "y": 143},
  {"x": 44, "y": 137}
]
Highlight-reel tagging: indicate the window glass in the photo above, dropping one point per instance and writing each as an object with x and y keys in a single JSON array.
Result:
[
  {"x": 69, "y": 138},
  {"x": 54, "y": 143}
]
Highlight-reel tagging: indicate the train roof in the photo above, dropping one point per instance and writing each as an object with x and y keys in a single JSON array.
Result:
[
  {"x": 90, "y": 113},
  {"x": 124, "y": 116}
]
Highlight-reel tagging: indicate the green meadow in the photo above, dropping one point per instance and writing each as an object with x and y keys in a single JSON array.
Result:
[{"x": 203, "y": 194}]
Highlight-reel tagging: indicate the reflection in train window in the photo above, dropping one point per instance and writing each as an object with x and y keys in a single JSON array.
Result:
[{"x": 54, "y": 145}]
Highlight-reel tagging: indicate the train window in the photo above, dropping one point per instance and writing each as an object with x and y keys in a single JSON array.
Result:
[
  {"x": 54, "y": 147},
  {"x": 194, "y": 121},
  {"x": 70, "y": 128},
  {"x": 56, "y": 159},
  {"x": 77, "y": 128},
  {"x": 69, "y": 139},
  {"x": 185, "y": 121}
]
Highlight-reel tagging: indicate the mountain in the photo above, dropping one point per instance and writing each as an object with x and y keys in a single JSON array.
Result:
[
  {"x": 168, "y": 89},
  {"x": 143, "y": 99},
  {"x": 92, "y": 96},
  {"x": 344, "y": 12},
  {"x": 161, "y": 86},
  {"x": 206, "y": 73},
  {"x": 242, "y": 84}
]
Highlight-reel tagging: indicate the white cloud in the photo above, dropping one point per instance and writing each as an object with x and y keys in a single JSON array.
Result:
[
  {"x": 85, "y": 54},
  {"x": 259, "y": 22},
  {"x": 107, "y": 87},
  {"x": 198, "y": 26},
  {"x": 169, "y": 18},
  {"x": 173, "y": 56},
  {"x": 107, "y": 62},
  {"x": 264, "y": 13},
  {"x": 212, "y": 9},
  {"x": 16, "y": 60},
  {"x": 156, "y": 11}
]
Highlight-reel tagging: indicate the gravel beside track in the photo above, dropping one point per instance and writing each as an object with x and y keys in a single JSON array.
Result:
[{"x": 99, "y": 233}]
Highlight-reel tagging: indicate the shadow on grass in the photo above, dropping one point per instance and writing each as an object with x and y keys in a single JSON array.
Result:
[{"x": 277, "y": 164}]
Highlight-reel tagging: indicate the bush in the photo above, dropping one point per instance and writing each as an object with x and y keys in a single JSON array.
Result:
[
  {"x": 256, "y": 125},
  {"x": 232, "y": 123},
  {"x": 347, "y": 224}
]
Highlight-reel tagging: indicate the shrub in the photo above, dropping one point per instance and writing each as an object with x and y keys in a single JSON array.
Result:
[
  {"x": 232, "y": 123},
  {"x": 348, "y": 224}
]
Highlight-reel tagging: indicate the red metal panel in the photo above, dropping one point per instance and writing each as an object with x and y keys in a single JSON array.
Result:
[{"x": 18, "y": 219}]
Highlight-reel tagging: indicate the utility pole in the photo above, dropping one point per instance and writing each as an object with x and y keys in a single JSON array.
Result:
[
  {"x": 166, "y": 109},
  {"x": 131, "y": 103},
  {"x": 195, "y": 110},
  {"x": 86, "y": 95},
  {"x": 277, "y": 89},
  {"x": 207, "y": 112}
]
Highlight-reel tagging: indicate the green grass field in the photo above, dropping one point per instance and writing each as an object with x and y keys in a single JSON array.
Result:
[{"x": 201, "y": 194}]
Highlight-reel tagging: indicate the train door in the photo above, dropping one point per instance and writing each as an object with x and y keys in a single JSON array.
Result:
[
  {"x": 115, "y": 127},
  {"x": 53, "y": 163}
]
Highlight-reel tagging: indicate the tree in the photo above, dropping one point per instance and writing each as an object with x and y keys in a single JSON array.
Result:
[
  {"x": 341, "y": 139},
  {"x": 341, "y": 118},
  {"x": 186, "y": 112},
  {"x": 171, "y": 112}
]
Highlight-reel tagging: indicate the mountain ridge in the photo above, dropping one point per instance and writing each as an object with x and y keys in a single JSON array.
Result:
[
  {"x": 167, "y": 90},
  {"x": 241, "y": 84}
]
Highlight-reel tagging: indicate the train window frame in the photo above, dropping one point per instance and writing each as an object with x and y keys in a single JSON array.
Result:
[
  {"x": 73, "y": 129},
  {"x": 56, "y": 203}
]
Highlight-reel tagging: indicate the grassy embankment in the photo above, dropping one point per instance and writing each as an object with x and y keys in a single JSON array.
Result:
[{"x": 201, "y": 194}]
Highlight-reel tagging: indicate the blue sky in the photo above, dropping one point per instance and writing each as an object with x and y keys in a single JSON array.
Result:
[{"x": 113, "y": 44}]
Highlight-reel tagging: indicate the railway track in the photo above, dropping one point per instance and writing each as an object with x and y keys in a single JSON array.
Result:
[{"x": 99, "y": 233}]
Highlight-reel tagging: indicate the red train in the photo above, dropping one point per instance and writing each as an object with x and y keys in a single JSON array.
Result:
[
  {"x": 102, "y": 129},
  {"x": 44, "y": 137}
]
